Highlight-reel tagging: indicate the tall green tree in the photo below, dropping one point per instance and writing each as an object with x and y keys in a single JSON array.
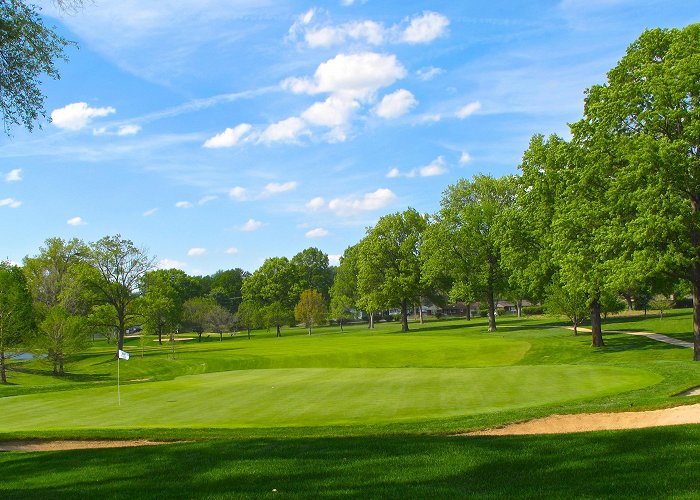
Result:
[
  {"x": 160, "y": 306},
  {"x": 115, "y": 271},
  {"x": 311, "y": 272},
  {"x": 311, "y": 309},
  {"x": 646, "y": 120},
  {"x": 196, "y": 314},
  {"x": 271, "y": 286},
  {"x": 16, "y": 315},
  {"x": 60, "y": 304},
  {"x": 249, "y": 316},
  {"x": 389, "y": 263},
  {"x": 219, "y": 320},
  {"x": 344, "y": 293},
  {"x": 462, "y": 242}
]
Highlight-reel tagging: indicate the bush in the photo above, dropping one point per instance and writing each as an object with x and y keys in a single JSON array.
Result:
[{"x": 533, "y": 310}]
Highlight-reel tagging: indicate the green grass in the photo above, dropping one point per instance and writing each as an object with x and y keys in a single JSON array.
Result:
[
  {"x": 649, "y": 463},
  {"x": 360, "y": 413}
]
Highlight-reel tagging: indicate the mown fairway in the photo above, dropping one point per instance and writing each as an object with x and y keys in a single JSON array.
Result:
[{"x": 347, "y": 414}]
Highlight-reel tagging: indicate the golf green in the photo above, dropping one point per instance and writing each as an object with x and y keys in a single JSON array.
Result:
[{"x": 318, "y": 396}]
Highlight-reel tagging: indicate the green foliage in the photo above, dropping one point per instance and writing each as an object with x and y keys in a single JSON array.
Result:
[
  {"x": 115, "y": 270},
  {"x": 196, "y": 313},
  {"x": 62, "y": 335},
  {"x": 226, "y": 288},
  {"x": 311, "y": 309},
  {"x": 16, "y": 316},
  {"x": 28, "y": 51},
  {"x": 389, "y": 263},
  {"x": 161, "y": 304},
  {"x": 462, "y": 243},
  {"x": 311, "y": 272},
  {"x": 533, "y": 310},
  {"x": 344, "y": 292},
  {"x": 566, "y": 301}
]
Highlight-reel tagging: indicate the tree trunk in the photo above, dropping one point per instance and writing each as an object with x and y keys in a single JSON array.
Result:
[
  {"x": 279, "y": 331},
  {"x": 341, "y": 324},
  {"x": 490, "y": 293},
  {"x": 596, "y": 327},
  {"x": 121, "y": 334},
  {"x": 370, "y": 323},
  {"x": 519, "y": 307},
  {"x": 248, "y": 333},
  {"x": 3, "y": 376},
  {"x": 60, "y": 366},
  {"x": 469, "y": 311},
  {"x": 404, "y": 316},
  {"x": 491, "y": 308},
  {"x": 696, "y": 313},
  {"x": 628, "y": 299},
  {"x": 200, "y": 336},
  {"x": 160, "y": 336},
  {"x": 309, "y": 327},
  {"x": 221, "y": 336},
  {"x": 575, "y": 322}
]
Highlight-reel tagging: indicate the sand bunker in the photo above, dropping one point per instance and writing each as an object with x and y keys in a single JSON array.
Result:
[
  {"x": 585, "y": 422},
  {"x": 59, "y": 445}
]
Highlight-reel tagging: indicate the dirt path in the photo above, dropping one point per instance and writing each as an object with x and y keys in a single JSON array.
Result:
[
  {"x": 585, "y": 422},
  {"x": 654, "y": 336},
  {"x": 59, "y": 445}
]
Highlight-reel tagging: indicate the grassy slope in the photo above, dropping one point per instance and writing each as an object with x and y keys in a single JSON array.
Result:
[{"x": 376, "y": 458}]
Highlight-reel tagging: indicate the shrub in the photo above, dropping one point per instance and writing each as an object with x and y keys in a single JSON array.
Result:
[{"x": 533, "y": 310}]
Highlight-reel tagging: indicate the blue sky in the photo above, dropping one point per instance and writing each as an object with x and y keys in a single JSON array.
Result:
[{"x": 218, "y": 133}]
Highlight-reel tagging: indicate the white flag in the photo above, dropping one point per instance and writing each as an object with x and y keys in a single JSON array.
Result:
[{"x": 123, "y": 354}]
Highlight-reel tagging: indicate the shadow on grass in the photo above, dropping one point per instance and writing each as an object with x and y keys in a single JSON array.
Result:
[
  {"x": 643, "y": 463},
  {"x": 71, "y": 377}
]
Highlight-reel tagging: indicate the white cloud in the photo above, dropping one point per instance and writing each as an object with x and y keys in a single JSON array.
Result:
[
  {"x": 436, "y": 167},
  {"x": 333, "y": 112},
  {"x": 428, "y": 73},
  {"x": 231, "y": 250},
  {"x": 284, "y": 131},
  {"x": 319, "y": 232},
  {"x": 129, "y": 130},
  {"x": 465, "y": 158},
  {"x": 396, "y": 104},
  {"x": 425, "y": 28},
  {"x": 393, "y": 173},
  {"x": 346, "y": 3},
  {"x": 351, "y": 205},
  {"x": 183, "y": 204},
  {"x": 353, "y": 76},
  {"x": 78, "y": 115},
  {"x": 196, "y": 251},
  {"x": 171, "y": 264},
  {"x": 334, "y": 260},
  {"x": 14, "y": 175},
  {"x": 76, "y": 221},
  {"x": 367, "y": 31},
  {"x": 468, "y": 110},
  {"x": 10, "y": 202},
  {"x": 277, "y": 187},
  {"x": 150, "y": 212},
  {"x": 238, "y": 193},
  {"x": 315, "y": 203},
  {"x": 251, "y": 225},
  {"x": 229, "y": 137},
  {"x": 206, "y": 199}
]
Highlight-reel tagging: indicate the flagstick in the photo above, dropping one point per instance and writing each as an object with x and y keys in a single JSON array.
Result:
[{"x": 119, "y": 395}]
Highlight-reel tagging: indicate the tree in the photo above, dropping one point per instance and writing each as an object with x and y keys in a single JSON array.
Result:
[
  {"x": 16, "y": 319},
  {"x": 343, "y": 292},
  {"x": 219, "y": 320},
  {"x": 311, "y": 309},
  {"x": 196, "y": 314},
  {"x": 275, "y": 315},
  {"x": 28, "y": 51},
  {"x": 389, "y": 263},
  {"x": 160, "y": 305},
  {"x": 272, "y": 288},
  {"x": 566, "y": 302},
  {"x": 61, "y": 335},
  {"x": 60, "y": 304},
  {"x": 116, "y": 270},
  {"x": 226, "y": 288},
  {"x": 249, "y": 315},
  {"x": 311, "y": 272},
  {"x": 462, "y": 241},
  {"x": 649, "y": 109}
]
